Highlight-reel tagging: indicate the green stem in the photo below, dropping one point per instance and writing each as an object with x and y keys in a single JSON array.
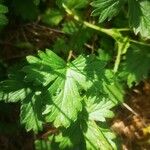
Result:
[
  {"x": 117, "y": 60},
  {"x": 111, "y": 32},
  {"x": 123, "y": 45},
  {"x": 114, "y": 33},
  {"x": 137, "y": 42},
  {"x": 123, "y": 29}
]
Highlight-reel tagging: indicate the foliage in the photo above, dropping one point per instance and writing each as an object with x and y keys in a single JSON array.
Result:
[
  {"x": 3, "y": 18},
  {"x": 138, "y": 13},
  {"x": 75, "y": 84},
  {"x": 61, "y": 92}
]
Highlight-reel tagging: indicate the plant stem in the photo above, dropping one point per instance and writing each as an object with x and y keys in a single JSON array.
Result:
[
  {"x": 70, "y": 55},
  {"x": 123, "y": 29},
  {"x": 111, "y": 32},
  {"x": 123, "y": 45},
  {"x": 137, "y": 42},
  {"x": 114, "y": 33},
  {"x": 117, "y": 60},
  {"x": 130, "y": 109}
]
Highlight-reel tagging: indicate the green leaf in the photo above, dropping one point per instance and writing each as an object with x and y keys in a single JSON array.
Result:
[
  {"x": 43, "y": 144},
  {"x": 52, "y": 17},
  {"x": 68, "y": 80},
  {"x": 137, "y": 63},
  {"x": 115, "y": 92},
  {"x": 106, "y": 8},
  {"x": 14, "y": 96},
  {"x": 113, "y": 88},
  {"x": 70, "y": 137},
  {"x": 3, "y": 9},
  {"x": 99, "y": 109},
  {"x": 65, "y": 91},
  {"x": 110, "y": 136},
  {"x": 70, "y": 27},
  {"x": 67, "y": 103},
  {"x": 12, "y": 91},
  {"x": 3, "y": 18},
  {"x": 96, "y": 139},
  {"x": 139, "y": 17},
  {"x": 30, "y": 114},
  {"x": 44, "y": 69}
]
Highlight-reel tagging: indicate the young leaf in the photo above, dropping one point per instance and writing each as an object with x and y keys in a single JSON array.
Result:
[{"x": 106, "y": 8}]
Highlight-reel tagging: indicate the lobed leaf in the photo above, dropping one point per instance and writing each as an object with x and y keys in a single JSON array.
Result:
[
  {"x": 139, "y": 17},
  {"x": 106, "y": 8}
]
